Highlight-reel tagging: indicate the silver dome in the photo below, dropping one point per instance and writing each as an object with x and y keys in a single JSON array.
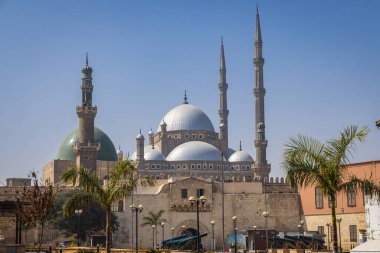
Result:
[
  {"x": 150, "y": 154},
  {"x": 240, "y": 156},
  {"x": 194, "y": 151},
  {"x": 186, "y": 117}
]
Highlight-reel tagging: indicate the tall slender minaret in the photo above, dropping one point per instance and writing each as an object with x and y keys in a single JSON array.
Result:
[
  {"x": 261, "y": 167},
  {"x": 86, "y": 150},
  {"x": 223, "y": 111}
]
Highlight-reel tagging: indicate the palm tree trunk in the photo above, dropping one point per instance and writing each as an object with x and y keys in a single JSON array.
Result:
[
  {"x": 333, "y": 223},
  {"x": 108, "y": 230}
]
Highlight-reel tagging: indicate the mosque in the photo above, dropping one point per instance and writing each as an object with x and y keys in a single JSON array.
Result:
[
  {"x": 187, "y": 156},
  {"x": 185, "y": 143}
]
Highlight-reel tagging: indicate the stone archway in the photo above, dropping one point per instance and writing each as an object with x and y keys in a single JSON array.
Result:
[{"x": 190, "y": 228}]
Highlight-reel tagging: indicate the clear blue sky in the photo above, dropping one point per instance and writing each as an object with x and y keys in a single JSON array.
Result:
[{"x": 322, "y": 62}]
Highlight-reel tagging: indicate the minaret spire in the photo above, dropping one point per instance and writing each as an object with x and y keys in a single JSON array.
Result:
[
  {"x": 185, "y": 98},
  {"x": 223, "y": 111},
  {"x": 261, "y": 167},
  {"x": 86, "y": 150}
]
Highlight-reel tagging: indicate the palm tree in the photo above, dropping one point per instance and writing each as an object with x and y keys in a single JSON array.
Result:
[
  {"x": 154, "y": 219},
  {"x": 120, "y": 183},
  {"x": 310, "y": 163}
]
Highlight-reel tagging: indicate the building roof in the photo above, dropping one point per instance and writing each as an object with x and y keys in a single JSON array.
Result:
[
  {"x": 186, "y": 117},
  {"x": 107, "y": 150},
  {"x": 194, "y": 151},
  {"x": 240, "y": 156},
  {"x": 150, "y": 153}
]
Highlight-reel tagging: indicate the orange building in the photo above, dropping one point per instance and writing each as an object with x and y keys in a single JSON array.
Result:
[{"x": 350, "y": 208}]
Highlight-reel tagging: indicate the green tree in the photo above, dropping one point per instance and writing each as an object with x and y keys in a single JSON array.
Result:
[
  {"x": 310, "y": 163},
  {"x": 91, "y": 220},
  {"x": 154, "y": 219},
  {"x": 121, "y": 182}
]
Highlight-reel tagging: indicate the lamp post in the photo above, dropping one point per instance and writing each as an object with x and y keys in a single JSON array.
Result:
[
  {"x": 234, "y": 218},
  {"x": 183, "y": 229},
  {"x": 222, "y": 169},
  {"x": 78, "y": 213},
  {"x": 213, "y": 235},
  {"x": 254, "y": 238},
  {"x": 153, "y": 228},
  {"x": 163, "y": 235},
  {"x": 266, "y": 215},
  {"x": 328, "y": 235},
  {"x": 137, "y": 209},
  {"x": 339, "y": 220},
  {"x": 198, "y": 201},
  {"x": 172, "y": 232}
]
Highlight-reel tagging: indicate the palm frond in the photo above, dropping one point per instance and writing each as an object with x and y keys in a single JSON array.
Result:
[
  {"x": 76, "y": 201},
  {"x": 367, "y": 186},
  {"x": 340, "y": 150},
  {"x": 302, "y": 160}
]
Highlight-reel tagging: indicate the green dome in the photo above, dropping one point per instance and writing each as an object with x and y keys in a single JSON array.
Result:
[{"x": 107, "y": 150}]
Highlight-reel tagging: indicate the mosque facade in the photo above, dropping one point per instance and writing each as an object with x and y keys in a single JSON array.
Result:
[
  {"x": 185, "y": 143},
  {"x": 187, "y": 156}
]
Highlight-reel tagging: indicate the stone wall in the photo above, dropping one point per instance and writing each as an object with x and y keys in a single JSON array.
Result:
[
  {"x": 247, "y": 206},
  {"x": 358, "y": 219}
]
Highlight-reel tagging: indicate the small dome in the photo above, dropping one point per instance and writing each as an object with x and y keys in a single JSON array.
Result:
[
  {"x": 240, "y": 156},
  {"x": 194, "y": 151},
  {"x": 107, "y": 150},
  {"x": 186, "y": 117},
  {"x": 140, "y": 136},
  {"x": 150, "y": 154}
]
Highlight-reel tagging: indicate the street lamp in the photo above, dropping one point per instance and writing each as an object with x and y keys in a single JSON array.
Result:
[
  {"x": 78, "y": 213},
  {"x": 172, "y": 232},
  {"x": 254, "y": 238},
  {"x": 266, "y": 215},
  {"x": 163, "y": 235},
  {"x": 197, "y": 201},
  {"x": 137, "y": 209},
  {"x": 183, "y": 229},
  {"x": 153, "y": 228},
  {"x": 328, "y": 235},
  {"x": 213, "y": 235},
  {"x": 234, "y": 218},
  {"x": 339, "y": 220}
]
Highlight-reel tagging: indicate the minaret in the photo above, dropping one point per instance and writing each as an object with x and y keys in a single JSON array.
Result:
[
  {"x": 223, "y": 111},
  {"x": 86, "y": 150},
  {"x": 140, "y": 151},
  {"x": 261, "y": 167}
]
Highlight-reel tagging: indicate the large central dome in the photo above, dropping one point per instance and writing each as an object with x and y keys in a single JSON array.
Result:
[{"x": 186, "y": 117}]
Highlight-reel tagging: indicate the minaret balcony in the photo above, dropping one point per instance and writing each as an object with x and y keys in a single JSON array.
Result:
[
  {"x": 86, "y": 147},
  {"x": 258, "y": 91},
  {"x": 259, "y": 61},
  {"x": 86, "y": 110},
  {"x": 261, "y": 143}
]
